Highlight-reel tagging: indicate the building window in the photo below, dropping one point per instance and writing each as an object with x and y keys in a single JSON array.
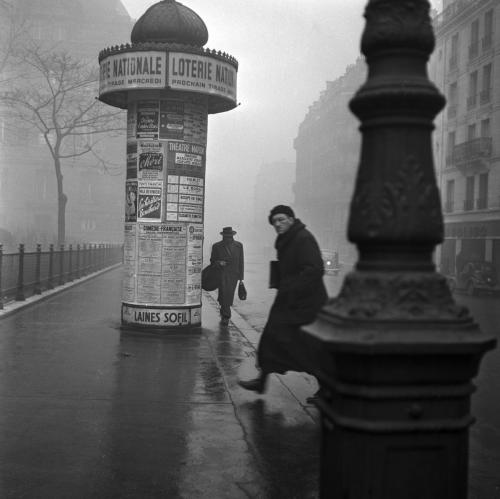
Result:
[
  {"x": 450, "y": 196},
  {"x": 469, "y": 193},
  {"x": 485, "y": 96},
  {"x": 452, "y": 100},
  {"x": 474, "y": 39},
  {"x": 485, "y": 128},
  {"x": 450, "y": 145},
  {"x": 482, "y": 200},
  {"x": 471, "y": 132},
  {"x": 472, "y": 97},
  {"x": 488, "y": 30},
  {"x": 454, "y": 52}
]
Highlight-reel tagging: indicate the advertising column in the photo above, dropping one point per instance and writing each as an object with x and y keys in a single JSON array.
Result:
[
  {"x": 165, "y": 188},
  {"x": 168, "y": 96}
]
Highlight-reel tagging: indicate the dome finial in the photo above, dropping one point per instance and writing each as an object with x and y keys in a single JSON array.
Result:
[{"x": 170, "y": 21}]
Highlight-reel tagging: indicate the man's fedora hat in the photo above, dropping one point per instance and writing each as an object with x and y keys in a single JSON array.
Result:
[{"x": 228, "y": 231}]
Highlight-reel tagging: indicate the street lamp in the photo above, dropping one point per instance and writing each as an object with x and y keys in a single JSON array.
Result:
[{"x": 393, "y": 352}]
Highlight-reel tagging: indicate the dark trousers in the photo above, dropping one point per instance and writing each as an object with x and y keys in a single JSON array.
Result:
[{"x": 226, "y": 293}]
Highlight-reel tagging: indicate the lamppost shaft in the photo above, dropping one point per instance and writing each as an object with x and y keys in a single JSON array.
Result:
[{"x": 394, "y": 353}]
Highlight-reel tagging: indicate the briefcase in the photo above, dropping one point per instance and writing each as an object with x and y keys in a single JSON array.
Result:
[
  {"x": 274, "y": 274},
  {"x": 210, "y": 277}
]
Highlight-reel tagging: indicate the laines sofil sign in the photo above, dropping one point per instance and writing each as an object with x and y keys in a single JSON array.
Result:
[{"x": 167, "y": 70}]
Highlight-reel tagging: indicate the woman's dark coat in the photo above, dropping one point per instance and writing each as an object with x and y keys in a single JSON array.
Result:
[{"x": 301, "y": 294}]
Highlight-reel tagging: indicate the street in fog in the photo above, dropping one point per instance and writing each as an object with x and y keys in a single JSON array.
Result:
[
  {"x": 484, "y": 476},
  {"x": 88, "y": 410}
]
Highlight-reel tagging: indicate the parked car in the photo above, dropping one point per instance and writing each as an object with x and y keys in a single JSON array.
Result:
[
  {"x": 330, "y": 261},
  {"x": 476, "y": 277}
]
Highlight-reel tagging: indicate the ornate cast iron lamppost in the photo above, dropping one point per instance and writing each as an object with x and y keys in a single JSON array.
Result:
[{"x": 394, "y": 353}]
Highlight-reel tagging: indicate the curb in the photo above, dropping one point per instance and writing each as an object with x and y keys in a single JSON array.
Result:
[
  {"x": 306, "y": 383},
  {"x": 13, "y": 306}
]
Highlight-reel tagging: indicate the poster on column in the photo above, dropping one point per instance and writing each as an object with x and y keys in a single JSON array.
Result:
[
  {"x": 147, "y": 120},
  {"x": 161, "y": 271},
  {"x": 151, "y": 160},
  {"x": 131, "y": 201},
  {"x": 149, "y": 200},
  {"x": 184, "y": 158},
  {"x": 173, "y": 286},
  {"x": 185, "y": 181},
  {"x": 191, "y": 193},
  {"x": 131, "y": 121},
  {"x": 194, "y": 264},
  {"x": 129, "y": 263},
  {"x": 149, "y": 264},
  {"x": 171, "y": 119},
  {"x": 131, "y": 159}
]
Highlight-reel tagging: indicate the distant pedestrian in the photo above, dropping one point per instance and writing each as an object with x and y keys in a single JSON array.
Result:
[
  {"x": 298, "y": 277},
  {"x": 228, "y": 255}
]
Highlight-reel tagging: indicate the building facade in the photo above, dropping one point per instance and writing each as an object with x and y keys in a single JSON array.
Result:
[
  {"x": 28, "y": 189},
  {"x": 327, "y": 155},
  {"x": 273, "y": 186},
  {"x": 466, "y": 67}
]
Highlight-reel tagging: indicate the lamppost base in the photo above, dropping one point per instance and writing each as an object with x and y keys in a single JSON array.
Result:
[{"x": 395, "y": 404}]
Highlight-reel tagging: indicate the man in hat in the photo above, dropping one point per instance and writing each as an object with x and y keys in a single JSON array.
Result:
[
  {"x": 298, "y": 277},
  {"x": 228, "y": 255}
]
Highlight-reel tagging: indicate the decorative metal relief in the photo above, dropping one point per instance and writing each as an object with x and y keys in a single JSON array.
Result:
[
  {"x": 402, "y": 208},
  {"x": 402, "y": 23},
  {"x": 396, "y": 297}
]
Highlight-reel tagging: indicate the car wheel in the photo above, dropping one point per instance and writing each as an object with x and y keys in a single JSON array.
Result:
[{"x": 470, "y": 289}]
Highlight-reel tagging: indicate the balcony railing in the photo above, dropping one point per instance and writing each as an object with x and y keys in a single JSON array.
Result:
[
  {"x": 448, "y": 206},
  {"x": 472, "y": 151},
  {"x": 482, "y": 203},
  {"x": 451, "y": 11},
  {"x": 468, "y": 204},
  {"x": 485, "y": 96}
]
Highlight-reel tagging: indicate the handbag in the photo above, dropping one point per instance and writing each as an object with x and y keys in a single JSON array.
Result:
[
  {"x": 210, "y": 277},
  {"x": 242, "y": 291}
]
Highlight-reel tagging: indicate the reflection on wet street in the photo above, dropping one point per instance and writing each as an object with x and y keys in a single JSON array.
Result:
[
  {"x": 484, "y": 475},
  {"x": 485, "y": 433},
  {"x": 88, "y": 410}
]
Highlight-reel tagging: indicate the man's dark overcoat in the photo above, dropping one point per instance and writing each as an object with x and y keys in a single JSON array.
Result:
[
  {"x": 300, "y": 296},
  {"x": 231, "y": 252}
]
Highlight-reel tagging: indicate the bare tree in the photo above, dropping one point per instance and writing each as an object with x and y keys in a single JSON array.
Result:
[{"x": 55, "y": 94}]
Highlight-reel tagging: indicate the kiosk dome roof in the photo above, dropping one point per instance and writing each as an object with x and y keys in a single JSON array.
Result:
[{"x": 169, "y": 21}]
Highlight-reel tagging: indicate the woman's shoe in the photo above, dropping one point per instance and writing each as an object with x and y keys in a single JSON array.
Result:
[{"x": 255, "y": 385}]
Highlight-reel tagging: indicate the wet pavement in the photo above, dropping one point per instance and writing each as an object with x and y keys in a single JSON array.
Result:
[{"x": 89, "y": 410}]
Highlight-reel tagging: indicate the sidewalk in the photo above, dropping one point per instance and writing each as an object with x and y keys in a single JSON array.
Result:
[{"x": 88, "y": 410}]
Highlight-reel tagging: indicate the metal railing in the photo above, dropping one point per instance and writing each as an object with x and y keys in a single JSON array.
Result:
[
  {"x": 25, "y": 274},
  {"x": 452, "y": 10},
  {"x": 472, "y": 150},
  {"x": 448, "y": 206}
]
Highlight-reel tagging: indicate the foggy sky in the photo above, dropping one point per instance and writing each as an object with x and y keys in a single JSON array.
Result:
[{"x": 287, "y": 50}]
